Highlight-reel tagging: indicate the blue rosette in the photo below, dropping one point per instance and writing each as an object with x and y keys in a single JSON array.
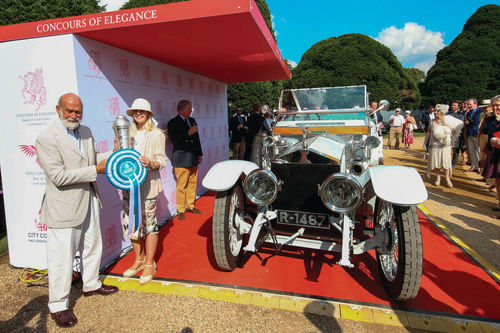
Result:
[
  {"x": 123, "y": 166},
  {"x": 124, "y": 171}
]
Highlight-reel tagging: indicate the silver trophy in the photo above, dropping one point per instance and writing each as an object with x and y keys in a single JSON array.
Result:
[{"x": 121, "y": 126}]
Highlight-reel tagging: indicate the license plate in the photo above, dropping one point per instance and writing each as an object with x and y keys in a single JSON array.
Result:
[{"x": 303, "y": 219}]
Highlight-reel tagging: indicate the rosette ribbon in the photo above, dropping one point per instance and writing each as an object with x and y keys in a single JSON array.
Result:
[{"x": 124, "y": 171}]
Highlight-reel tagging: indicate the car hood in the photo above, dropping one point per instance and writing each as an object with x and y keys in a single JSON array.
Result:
[{"x": 324, "y": 146}]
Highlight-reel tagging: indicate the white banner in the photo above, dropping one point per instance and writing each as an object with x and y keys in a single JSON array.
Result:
[
  {"x": 33, "y": 74},
  {"x": 108, "y": 80}
]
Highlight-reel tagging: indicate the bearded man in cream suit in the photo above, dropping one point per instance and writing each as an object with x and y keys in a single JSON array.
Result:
[{"x": 70, "y": 208}]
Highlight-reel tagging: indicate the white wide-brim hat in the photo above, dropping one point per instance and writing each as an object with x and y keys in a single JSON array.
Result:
[
  {"x": 140, "y": 104},
  {"x": 407, "y": 111}
]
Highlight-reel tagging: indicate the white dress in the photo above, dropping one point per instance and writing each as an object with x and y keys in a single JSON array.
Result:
[{"x": 440, "y": 147}]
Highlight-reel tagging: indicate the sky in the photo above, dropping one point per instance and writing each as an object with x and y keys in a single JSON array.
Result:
[{"x": 414, "y": 30}]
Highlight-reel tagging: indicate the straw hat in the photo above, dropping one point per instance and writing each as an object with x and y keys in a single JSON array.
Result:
[
  {"x": 140, "y": 104},
  {"x": 485, "y": 102}
]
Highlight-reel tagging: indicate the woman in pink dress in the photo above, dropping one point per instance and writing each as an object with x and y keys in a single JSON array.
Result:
[{"x": 408, "y": 127}]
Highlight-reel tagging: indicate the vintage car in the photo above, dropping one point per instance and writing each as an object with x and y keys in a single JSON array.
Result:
[{"x": 319, "y": 183}]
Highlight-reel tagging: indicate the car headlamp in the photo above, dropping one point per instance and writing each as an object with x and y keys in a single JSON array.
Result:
[
  {"x": 341, "y": 192},
  {"x": 261, "y": 187}
]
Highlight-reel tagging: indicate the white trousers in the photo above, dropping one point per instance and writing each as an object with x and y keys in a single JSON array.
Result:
[
  {"x": 62, "y": 245},
  {"x": 473, "y": 147}
]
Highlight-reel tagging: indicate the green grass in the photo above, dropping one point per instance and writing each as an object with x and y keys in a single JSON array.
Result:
[{"x": 3, "y": 243}]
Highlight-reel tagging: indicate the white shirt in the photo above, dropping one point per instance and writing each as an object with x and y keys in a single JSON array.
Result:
[
  {"x": 139, "y": 140},
  {"x": 397, "y": 121}
]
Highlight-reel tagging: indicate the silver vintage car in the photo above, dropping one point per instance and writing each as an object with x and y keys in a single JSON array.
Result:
[{"x": 319, "y": 182}]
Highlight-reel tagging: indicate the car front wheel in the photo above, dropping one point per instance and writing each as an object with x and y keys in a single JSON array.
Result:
[
  {"x": 399, "y": 257},
  {"x": 226, "y": 234}
]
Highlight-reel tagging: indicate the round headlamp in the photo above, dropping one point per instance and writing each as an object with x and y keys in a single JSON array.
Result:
[
  {"x": 341, "y": 192},
  {"x": 261, "y": 187}
]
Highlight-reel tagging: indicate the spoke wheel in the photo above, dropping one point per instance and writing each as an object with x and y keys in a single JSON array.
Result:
[
  {"x": 226, "y": 236},
  {"x": 399, "y": 256}
]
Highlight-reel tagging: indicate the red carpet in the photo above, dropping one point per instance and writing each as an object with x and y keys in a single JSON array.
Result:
[{"x": 451, "y": 282}]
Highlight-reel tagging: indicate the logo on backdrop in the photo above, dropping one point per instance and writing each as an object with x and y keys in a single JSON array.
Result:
[
  {"x": 124, "y": 69},
  {"x": 109, "y": 237},
  {"x": 102, "y": 146},
  {"x": 146, "y": 73},
  {"x": 38, "y": 223},
  {"x": 202, "y": 86},
  {"x": 94, "y": 61},
  {"x": 41, "y": 235},
  {"x": 30, "y": 151},
  {"x": 178, "y": 80},
  {"x": 164, "y": 78},
  {"x": 191, "y": 83},
  {"x": 159, "y": 109},
  {"x": 37, "y": 176},
  {"x": 34, "y": 91},
  {"x": 114, "y": 106}
]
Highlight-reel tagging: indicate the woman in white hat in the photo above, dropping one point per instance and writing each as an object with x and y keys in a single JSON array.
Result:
[{"x": 149, "y": 141}]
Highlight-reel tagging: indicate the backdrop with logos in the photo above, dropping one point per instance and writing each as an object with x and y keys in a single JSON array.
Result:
[{"x": 107, "y": 79}]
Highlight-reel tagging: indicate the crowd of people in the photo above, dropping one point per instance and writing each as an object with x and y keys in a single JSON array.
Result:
[
  {"x": 68, "y": 156},
  {"x": 461, "y": 134},
  {"x": 247, "y": 131},
  {"x": 469, "y": 134}
]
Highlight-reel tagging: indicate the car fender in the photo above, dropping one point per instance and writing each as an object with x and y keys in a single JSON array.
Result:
[
  {"x": 223, "y": 175},
  {"x": 398, "y": 185}
]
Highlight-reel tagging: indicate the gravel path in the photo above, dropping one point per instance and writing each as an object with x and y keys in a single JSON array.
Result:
[{"x": 464, "y": 209}]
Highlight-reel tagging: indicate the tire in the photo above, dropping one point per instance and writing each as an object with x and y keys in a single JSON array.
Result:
[
  {"x": 400, "y": 260},
  {"x": 226, "y": 239}
]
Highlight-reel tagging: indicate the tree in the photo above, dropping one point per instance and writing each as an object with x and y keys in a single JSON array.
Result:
[
  {"x": 356, "y": 59},
  {"x": 416, "y": 74},
  {"x": 20, "y": 11},
  {"x": 470, "y": 66}
]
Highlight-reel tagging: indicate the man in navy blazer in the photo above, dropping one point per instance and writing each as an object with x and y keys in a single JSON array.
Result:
[{"x": 186, "y": 156}]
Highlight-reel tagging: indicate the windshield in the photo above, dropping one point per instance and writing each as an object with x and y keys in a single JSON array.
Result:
[{"x": 324, "y": 99}]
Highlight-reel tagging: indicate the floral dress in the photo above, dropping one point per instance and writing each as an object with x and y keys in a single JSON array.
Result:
[{"x": 407, "y": 131}]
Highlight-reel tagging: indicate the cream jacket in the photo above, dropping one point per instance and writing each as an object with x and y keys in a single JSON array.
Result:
[
  {"x": 154, "y": 149},
  {"x": 69, "y": 173}
]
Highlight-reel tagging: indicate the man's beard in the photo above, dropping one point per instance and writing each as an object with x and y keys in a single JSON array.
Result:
[{"x": 71, "y": 124}]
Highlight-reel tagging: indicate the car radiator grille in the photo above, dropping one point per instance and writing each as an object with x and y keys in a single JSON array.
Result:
[{"x": 299, "y": 190}]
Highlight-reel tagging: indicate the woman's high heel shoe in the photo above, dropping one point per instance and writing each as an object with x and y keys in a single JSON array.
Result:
[
  {"x": 131, "y": 272},
  {"x": 438, "y": 181},
  {"x": 448, "y": 183},
  {"x": 146, "y": 279}
]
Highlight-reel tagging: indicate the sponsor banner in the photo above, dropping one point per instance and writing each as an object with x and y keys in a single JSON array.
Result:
[
  {"x": 108, "y": 80},
  {"x": 31, "y": 86}
]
